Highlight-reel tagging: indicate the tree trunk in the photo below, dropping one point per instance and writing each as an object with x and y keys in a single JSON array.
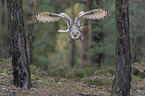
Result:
[
  {"x": 96, "y": 37},
  {"x": 31, "y": 30},
  {"x": 122, "y": 81},
  {"x": 72, "y": 61},
  {"x": 21, "y": 66},
  {"x": 7, "y": 48},
  {"x": 85, "y": 42},
  {"x": 1, "y": 32},
  {"x": 134, "y": 39}
]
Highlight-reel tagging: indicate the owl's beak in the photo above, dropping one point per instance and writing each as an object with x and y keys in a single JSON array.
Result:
[{"x": 75, "y": 35}]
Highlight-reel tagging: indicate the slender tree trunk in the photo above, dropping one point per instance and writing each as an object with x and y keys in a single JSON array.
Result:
[
  {"x": 21, "y": 66},
  {"x": 85, "y": 42},
  {"x": 96, "y": 37},
  {"x": 1, "y": 32},
  {"x": 122, "y": 81},
  {"x": 134, "y": 39},
  {"x": 72, "y": 61},
  {"x": 32, "y": 4},
  {"x": 7, "y": 45}
]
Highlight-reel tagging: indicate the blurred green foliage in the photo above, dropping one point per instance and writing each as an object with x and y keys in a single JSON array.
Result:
[{"x": 52, "y": 50}]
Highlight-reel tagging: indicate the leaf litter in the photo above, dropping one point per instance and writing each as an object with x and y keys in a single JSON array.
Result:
[{"x": 44, "y": 85}]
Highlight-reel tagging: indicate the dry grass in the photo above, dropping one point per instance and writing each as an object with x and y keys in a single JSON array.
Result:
[{"x": 44, "y": 85}]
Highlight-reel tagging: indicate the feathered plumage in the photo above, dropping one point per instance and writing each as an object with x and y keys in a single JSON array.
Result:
[{"x": 74, "y": 29}]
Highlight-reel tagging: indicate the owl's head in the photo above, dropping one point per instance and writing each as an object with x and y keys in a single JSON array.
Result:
[
  {"x": 73, "y": 27},
  {"x": 75, "y": 33}
]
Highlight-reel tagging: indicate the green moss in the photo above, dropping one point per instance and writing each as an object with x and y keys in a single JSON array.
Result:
[
  {"x": 99, "y": 80},
  {"x": 59, "y": 72},
  {"x": 137, "y": 78}
]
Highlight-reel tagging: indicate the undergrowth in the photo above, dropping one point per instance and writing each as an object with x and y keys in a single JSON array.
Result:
[{"x": 65, "y": 82}]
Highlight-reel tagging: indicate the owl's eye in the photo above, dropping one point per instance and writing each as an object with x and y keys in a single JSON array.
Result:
[
  {"x": 72, "y": 32},
  {"x": 77, "y": 33}
]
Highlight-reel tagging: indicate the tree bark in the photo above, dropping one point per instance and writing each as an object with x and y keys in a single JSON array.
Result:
[
  {"x": 21, "y": 66},
  {"x": 85, "y": 42},
  {"x": 32, "y": 4},
  {"x": 1, "y": 32},
  {"x": 122, "y": 81},
  {"x": 134, "y": 39},
  {"x": 7, "y": 45},
  {"x": 96, "y": 37}
]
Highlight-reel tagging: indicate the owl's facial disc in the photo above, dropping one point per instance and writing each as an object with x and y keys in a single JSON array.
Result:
[{"x": 75, "y": 34}]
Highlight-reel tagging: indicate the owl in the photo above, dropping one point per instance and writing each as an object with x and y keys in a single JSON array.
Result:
[{"x": 74, "y": 29}]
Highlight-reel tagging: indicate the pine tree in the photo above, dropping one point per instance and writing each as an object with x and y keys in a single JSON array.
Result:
[
  {"x": 85, "y": 42},
  {"x": 21, "y": 66},
  {"x": 7, "y": 45},
  {"x": 96, "y": 38},
  {"x": 1, "y": 34},
  {"x": 32, "y": 4},
  {"x": 73, "y": 49},
  {"x": 122, "y": 81}
]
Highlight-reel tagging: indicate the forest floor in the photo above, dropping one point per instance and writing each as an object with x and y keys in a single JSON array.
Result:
[{"x": 44, "y": 85}]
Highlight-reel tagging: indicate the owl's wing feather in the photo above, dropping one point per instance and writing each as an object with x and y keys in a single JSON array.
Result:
[
  {"x": 92, "y": 14},
  {"x": 47, "y": 17},
  {"x": 53, "y": 17}
]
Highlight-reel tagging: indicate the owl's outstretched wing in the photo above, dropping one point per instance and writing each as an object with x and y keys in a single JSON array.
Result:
[
  {"x": 92, "y": 14},
  {"x": 53, "y": 17},
  {"x": 47, "y": 17}
]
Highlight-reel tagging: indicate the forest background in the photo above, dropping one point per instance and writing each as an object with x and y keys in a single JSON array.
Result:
[
  {"x": 52, "y": 51},
  {"x": 54, "y": 54}
]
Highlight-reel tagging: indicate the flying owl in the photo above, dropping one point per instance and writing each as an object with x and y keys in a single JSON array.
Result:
[{"x": 74, "y": 29}]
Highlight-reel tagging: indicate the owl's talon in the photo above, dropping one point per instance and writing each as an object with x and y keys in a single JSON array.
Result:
[
  {"x": 74, "y": 28},
  {"x": 82, "y": 38},
  {"x": 69, "y": 39}
]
